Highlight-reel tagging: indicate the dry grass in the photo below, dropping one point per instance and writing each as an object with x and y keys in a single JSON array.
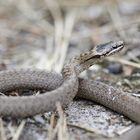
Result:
[
  {"x": 62, "y": 33},
  {"x": 15, "y": 133},
  {"x": 58, "y": 128}
]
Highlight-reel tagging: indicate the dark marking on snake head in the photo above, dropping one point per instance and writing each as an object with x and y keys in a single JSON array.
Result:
[
  {"x": 109, "y": 48},
  {"x": 103, "y": 47}
]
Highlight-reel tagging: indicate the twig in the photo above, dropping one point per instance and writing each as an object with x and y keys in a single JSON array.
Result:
[
  {"x": 82, "y": 128},
  {"x": 55, "y": 11},
  {"x": 2, "y": 131},
  {"x": 62, "y": 129},
  {"x": 116, "y": 18},
  {"x": 50, "y": 131},
  {"x": 69, "y": 23},
  {"x": 19, "y": 130},
  {"x": 123, "y": 61}
]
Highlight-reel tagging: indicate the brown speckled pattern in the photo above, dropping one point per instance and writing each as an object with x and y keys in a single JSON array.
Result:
[
  {"x": 31, "y": 105},
  {"x": 110, "y": 97}
]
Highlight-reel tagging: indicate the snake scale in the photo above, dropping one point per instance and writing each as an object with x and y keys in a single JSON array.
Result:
[{"x": 64, "y": 88}]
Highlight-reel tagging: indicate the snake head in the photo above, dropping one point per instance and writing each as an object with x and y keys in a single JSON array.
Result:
[
  {"x": 87, "y": 59},
  {"x": 101, "y": 51},
  {"x": 108, "y": 48}
]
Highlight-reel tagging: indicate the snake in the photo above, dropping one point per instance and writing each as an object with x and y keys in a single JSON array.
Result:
[{"x": 64, "y": 87}]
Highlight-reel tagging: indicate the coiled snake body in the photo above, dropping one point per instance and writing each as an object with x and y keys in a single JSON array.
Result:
[{"x": 64, "y": 89}]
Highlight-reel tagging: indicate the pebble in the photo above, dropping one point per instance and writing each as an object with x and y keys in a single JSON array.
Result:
[{"x": 115, "y": 68}]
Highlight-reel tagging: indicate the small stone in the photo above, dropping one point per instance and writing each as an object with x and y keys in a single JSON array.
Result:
[{"x": 115, "y": 68}]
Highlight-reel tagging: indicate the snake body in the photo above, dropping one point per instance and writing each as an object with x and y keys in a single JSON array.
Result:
[
  {"x": 64, "y": 88},
  {"x": 24, "y": 106}
]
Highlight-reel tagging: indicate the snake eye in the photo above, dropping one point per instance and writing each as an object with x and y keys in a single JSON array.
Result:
[
  {"x": 117, "y": 44},
  {"x": 114, "y": 46}
]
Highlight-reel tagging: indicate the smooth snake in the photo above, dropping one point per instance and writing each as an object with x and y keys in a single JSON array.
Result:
[{"x": 64, "y": 88}]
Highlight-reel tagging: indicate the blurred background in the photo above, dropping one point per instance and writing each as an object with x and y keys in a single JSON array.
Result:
[{"x": 45, "y": 34}]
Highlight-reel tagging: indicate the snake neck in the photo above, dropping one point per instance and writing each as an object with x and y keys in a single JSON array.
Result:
[{"x": 77, "y": 65}]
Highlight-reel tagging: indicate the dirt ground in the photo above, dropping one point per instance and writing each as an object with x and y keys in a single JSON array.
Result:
[{"x": 45, "y": 34}]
